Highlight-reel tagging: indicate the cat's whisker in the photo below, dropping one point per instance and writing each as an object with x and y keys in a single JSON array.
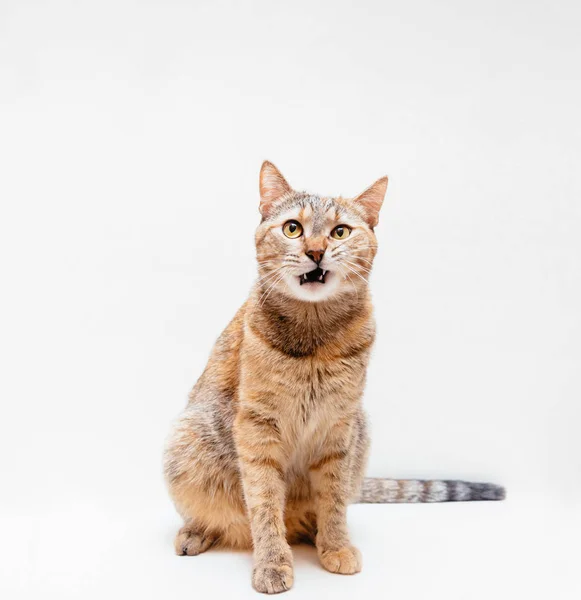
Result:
[
  {"x": 271, "y": 288},
  {"x": 269, "y": 276},
  {"x": 354, "y": 286},
  {"x": 358, "y": 266},
  {"x": 347, "y": 255},
  {"x": 356, "y": 273},
  {"x": 266, "y": 283},
  {"x": 269, "y": 272},
  {"x": 272, "y": 275},
  {"x": 273, "y": 264},
  {"x": 348, "y": 252},
  {"x": 265, "y": 278}
]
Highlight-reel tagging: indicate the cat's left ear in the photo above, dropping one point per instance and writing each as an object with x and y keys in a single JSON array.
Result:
[
  {"x": 371, "y": 200},
  {"x": 272, "y": 187}
]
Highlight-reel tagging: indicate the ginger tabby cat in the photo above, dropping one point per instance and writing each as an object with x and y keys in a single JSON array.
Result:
[{"x": 273, "y": 444}]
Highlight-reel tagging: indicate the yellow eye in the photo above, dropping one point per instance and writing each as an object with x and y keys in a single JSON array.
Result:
[
  {"x": 341, "y": 232},
  {"x": 292, "y": 229}
]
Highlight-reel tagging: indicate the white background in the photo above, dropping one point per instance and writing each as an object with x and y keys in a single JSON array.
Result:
[{"x": 131, "y": 136}]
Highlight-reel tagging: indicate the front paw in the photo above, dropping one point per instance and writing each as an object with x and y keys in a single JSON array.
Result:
[
  {"x": 346, "y": 561},
  {"x": 272, "y": 578}
]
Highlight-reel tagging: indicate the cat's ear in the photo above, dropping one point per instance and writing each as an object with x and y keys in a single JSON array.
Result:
[
  {"x": 371, "y": 200},
  {"x": 272, "y": 186}
]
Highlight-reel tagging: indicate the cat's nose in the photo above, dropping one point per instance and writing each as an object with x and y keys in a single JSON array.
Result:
[{"x": 316, "y": 255}]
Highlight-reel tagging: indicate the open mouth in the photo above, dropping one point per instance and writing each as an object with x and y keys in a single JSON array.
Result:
[{"x": 316, "y": 276}]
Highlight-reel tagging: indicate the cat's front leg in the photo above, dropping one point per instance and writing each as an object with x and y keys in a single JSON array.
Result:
[
  {"x": 330, "y": 478},
  {"x": 261, "y": 464}
]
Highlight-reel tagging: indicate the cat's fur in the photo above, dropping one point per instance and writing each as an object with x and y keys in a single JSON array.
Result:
[{"x": 273, "y": 444}]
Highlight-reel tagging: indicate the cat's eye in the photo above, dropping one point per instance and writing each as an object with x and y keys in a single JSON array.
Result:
[
  {"x": 341, "y": 232},
  {"x": 292, "y": 229}
]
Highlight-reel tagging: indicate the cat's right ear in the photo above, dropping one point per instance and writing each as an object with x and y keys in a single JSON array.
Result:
[{"x": 272, "y": 187}]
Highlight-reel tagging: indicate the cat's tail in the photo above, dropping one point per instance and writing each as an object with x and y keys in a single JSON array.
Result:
[{"x": 388, "y": 491}]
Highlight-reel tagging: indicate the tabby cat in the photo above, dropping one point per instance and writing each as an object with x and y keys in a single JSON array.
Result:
[{"x": 273, "y": 444}]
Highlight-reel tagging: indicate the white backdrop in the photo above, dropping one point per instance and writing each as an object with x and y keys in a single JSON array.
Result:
[{"x": 131, "y": 136}]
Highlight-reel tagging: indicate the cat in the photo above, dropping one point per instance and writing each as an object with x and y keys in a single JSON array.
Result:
[{"x": 273, "y": 444}]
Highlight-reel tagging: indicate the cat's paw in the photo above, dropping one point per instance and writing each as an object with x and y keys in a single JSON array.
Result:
[
  {"x": 272, "y": 578},
  {"x": 191, "y": 542},
  {"x": 346, "y": 561}
]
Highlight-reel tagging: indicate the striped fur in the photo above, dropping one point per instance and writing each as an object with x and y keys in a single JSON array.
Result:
[
  {"x": 390, "y": 491},
  {"x": 273, "y": 443}
]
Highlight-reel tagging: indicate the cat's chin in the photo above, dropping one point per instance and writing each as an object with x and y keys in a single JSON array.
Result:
[{"x": 313, "y": 291}]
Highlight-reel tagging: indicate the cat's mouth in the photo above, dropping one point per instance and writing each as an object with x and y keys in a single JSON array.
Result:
[{"x": 316, "y": 276}]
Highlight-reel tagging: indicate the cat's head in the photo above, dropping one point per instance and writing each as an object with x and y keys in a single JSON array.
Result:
[{"x": 313, "y": 248}]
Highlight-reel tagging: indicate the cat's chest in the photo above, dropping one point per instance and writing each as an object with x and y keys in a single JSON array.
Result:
[
  {"x": 320, "y": 399},
  {"x": 320, "y": 393},
  {"x": 305, "y": 392}
]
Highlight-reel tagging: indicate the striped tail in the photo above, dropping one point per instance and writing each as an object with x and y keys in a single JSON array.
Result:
[{"x": 388, "y": 491}]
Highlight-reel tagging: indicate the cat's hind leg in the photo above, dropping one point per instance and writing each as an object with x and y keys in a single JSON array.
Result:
[
  {"x": 201, "y": 472},
  {"x": 192, "y": 540}
]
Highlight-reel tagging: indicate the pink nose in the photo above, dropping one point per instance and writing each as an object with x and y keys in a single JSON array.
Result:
[{"x": 316, "y": 255}]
